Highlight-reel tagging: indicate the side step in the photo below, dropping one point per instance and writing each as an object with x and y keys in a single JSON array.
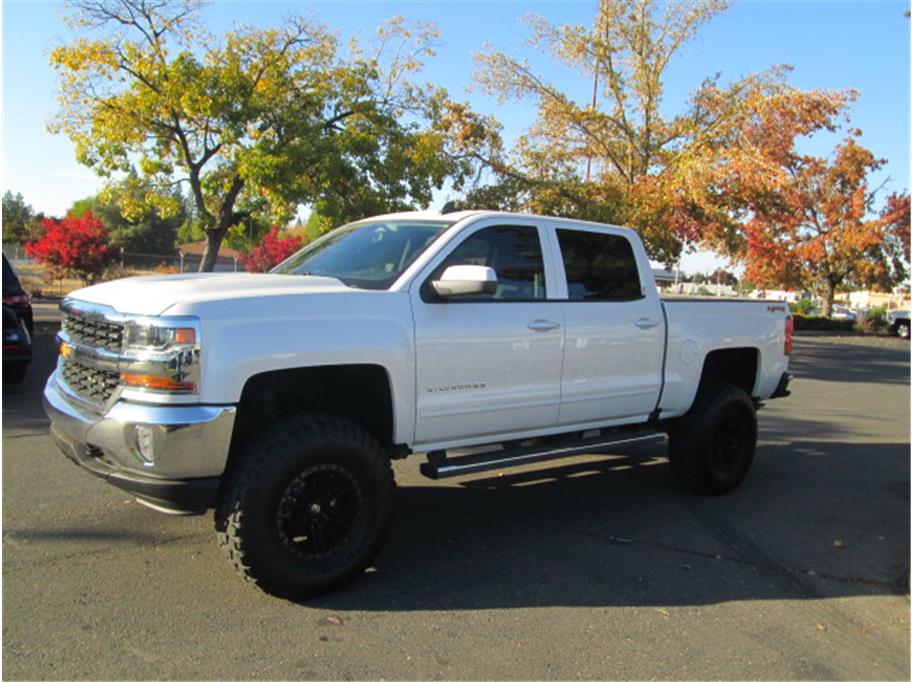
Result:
[{"x": 441, "y": 466}]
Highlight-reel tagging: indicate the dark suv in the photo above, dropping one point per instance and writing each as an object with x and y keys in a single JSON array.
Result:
[{"x": 17, "y": 326}]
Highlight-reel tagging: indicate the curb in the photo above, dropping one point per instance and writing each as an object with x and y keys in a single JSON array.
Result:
[{"x": 817, "y": 332}]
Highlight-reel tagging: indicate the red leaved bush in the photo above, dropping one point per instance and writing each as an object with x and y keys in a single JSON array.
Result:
[
  {"x": 73, "y": 246},
  {"x": 271, "y": 251}
]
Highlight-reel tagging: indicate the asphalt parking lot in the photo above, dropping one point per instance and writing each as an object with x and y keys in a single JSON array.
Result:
[{"x": 598, "y": 568}]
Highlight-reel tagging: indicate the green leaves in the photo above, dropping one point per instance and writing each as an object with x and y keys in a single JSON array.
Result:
[{"x": 258, "y": 122}]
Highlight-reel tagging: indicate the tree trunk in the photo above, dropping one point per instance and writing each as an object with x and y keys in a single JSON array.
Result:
[
  {"x": 226, "y": 218},
  {"x": 210, "y": 255},
  {"x": 829, "y": 293}
]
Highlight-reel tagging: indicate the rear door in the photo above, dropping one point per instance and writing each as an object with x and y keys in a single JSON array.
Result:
[
  {"x": 490, "y": 363},
  {"x": 614, "y": 327}
]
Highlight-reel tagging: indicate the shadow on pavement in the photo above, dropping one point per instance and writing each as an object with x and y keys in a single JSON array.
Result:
[
  {"x": 828, "y": 361},
  {"x": 805, "y": 524}
]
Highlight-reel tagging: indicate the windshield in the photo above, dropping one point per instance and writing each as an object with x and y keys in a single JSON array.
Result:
[{"x": 368, "y": 255}]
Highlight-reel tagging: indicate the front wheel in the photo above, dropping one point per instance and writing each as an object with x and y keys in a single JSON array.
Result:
[
  {"x": 902, "y": 330},
  {"x": 305, "y": 511},
  {"x": 712, "y": 448}
]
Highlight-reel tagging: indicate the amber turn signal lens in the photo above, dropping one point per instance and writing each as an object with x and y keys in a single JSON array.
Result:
[
  {"x": 184, "y": 336},
  {"x": 154, "y": 381}
]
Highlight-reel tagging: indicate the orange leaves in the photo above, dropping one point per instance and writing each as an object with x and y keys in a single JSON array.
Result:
[{"x": 815, "y": 226}]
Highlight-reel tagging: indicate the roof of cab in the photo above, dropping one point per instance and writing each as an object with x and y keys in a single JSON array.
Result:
[{"x": 456, "y": 216}]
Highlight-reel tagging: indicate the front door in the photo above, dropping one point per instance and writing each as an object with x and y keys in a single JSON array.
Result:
[{"x": 490, "y": 363}]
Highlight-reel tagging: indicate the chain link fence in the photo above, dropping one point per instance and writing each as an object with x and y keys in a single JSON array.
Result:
[{"x": 143, "y": 262}]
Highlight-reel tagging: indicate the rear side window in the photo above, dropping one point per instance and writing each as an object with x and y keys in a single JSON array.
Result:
[
  {"x": 599, "y": 266},
  {"x": 515, "y": 254}
]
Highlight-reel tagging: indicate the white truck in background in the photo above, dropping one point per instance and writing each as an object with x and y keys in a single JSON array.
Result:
[
  {"x": 280, "y": 399},
  {"x": 898, "y": 322}
]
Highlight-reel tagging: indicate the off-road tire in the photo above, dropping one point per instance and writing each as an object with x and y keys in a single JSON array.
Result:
[
  {"x": 711, "y": 448},
  {"x": 287, "y": 470}
]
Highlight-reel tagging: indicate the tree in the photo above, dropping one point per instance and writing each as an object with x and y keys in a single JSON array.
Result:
[
  {"x": 663, "y": 175},
  {"x": 256, "y": 122},
  {"x": 814, "y": 225},
  {"x": 73, "y": 246},
  {"x": 271, "y": 251},
  {"x": 136, "y": 220},
  {"x": 723, "y": 277},
  {"x": 16, "y": 218}
]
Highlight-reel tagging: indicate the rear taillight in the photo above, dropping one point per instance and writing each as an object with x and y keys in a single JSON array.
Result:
[
  {"x": 789, "y": 332},
  {"x": 15, "y": 300}
]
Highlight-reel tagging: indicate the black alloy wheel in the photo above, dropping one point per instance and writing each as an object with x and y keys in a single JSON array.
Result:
[{"x": 319, "y": 511}]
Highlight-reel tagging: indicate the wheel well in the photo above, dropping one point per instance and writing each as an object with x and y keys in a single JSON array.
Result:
[
  {"x": 359, "y": 393},
  {"x": 734, "y": 365}
]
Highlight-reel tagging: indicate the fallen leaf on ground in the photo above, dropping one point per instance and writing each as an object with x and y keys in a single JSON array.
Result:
[{"x": 330, "y": 620}]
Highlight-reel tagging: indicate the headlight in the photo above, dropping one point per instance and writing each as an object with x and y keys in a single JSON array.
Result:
[
  {"x": 161, "y": 355},
  {"x": 145, "y": 336}
]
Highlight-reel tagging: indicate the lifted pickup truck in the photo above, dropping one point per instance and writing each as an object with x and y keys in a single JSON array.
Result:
[{"x": 280, "y": 399}]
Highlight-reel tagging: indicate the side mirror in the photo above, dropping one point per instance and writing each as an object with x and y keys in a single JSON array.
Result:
[{"x": 465, "y": 280}]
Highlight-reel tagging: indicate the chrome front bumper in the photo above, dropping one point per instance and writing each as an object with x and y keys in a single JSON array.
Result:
[{"x": 188, "y": 442}]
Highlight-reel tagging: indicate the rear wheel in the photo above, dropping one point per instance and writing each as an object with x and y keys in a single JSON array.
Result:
[
  {"x": 902, "y": 330},
  {"x": 306, "y": 510},
  {"x": 712, "y": 448}
]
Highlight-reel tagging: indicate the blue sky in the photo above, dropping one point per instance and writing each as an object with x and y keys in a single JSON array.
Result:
[{"x": 859, "y": 45}]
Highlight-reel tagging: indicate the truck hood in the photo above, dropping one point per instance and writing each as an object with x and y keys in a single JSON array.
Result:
[{"x": 155, "y": 294}]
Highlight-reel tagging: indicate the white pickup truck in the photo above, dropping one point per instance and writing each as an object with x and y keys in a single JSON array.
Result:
[{"x": 280, "y": 399}]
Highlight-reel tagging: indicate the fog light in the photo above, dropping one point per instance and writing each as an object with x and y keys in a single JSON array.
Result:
[{"x": 144, "y": 444}]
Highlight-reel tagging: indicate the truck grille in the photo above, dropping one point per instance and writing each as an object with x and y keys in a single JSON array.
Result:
[
  {"x": 89, "y": 383},
  {"x": 95, "y": 333}
]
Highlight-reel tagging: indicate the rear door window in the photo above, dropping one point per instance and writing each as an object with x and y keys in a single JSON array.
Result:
[{"x": 599, "y": 266}]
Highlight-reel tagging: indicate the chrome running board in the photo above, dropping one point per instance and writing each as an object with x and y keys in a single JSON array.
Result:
[{"x": 441, "y": 466}]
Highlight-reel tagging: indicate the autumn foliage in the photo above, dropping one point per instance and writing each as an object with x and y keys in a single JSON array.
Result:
[
  {"x": 271, "y": 251},
  {"x": 621, "y": 157},
  {"x": 814, "y": 225},
  {"x": 73, "y": 246}
]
